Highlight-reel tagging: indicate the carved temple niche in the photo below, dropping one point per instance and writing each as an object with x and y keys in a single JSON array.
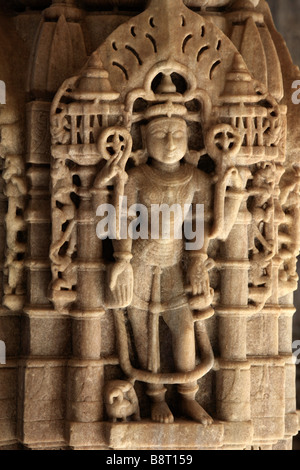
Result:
[{"x": 147, "y": 343}]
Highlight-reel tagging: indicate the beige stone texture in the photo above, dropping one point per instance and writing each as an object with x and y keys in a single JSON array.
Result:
[{"x": 152, "y": 341}]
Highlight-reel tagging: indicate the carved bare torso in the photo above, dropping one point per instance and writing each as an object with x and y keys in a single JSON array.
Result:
[{"x": 155, "y": 189}]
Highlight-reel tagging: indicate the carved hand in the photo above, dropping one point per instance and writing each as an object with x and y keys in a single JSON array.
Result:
[
  {"x": 121, "y": 282},
  {"x": 111, "y": 171},
  {"x": 198, "y": 277},
  {"x": 115, "y": 145},
  {"x": 235, "y": 180}
]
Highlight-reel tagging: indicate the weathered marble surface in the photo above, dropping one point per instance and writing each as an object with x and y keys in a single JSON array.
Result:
[{"x": 56, "y": 316}]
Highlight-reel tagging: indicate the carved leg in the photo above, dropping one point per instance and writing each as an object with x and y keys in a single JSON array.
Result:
[
  {"x": 181, "y": 324},
  {"x": 139, "y": 324},
  {"x": 190, "y": 407},
  {"x": 160, "y": 411}
]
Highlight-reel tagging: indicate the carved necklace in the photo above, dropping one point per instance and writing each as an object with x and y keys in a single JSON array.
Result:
[{"x": 178, "y": 178}]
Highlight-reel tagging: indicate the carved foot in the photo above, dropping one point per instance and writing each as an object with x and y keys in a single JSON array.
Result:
[
  {"x": 161, "y": 413},
  {"x": 193, "y": 410}
]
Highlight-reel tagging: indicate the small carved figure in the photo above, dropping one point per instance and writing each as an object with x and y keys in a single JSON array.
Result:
[
  {"x": 121, "y": 401},
  {"x": 63, "y": 213},
  {"x": 15, "y": 190}
]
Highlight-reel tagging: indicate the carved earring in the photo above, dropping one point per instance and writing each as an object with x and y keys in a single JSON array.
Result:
[
  {"x": 140, "y": 156},
  {"x": 192, "y": 157}
]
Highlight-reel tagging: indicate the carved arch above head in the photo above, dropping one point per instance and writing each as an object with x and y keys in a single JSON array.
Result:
[
  {"x": 167, "y": 30},
  {"x": 170, "y": 38},
  {"x": 171, "y": 84},
  {"x": 214, "y": 72},
  {"x": 166, "y": 38}
]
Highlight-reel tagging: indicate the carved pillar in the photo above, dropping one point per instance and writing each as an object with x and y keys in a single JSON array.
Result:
[
  {"x": 78, "y": 268},
  {"x": 86, "y": 405},
  {"x": 233, "y": 378},
  {"x": 13, "y": 230},
  {"x": 50, "y": 64}
]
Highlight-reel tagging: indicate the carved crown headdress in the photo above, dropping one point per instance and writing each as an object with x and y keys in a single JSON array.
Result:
[
  {"x": 167, "y": 104},
  {"x": 168, "y": 93}
]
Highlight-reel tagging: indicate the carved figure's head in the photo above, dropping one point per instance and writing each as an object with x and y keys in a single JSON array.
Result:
[{"x": 167, "y": 139}]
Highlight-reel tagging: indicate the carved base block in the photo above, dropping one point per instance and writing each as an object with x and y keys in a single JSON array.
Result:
[
  {"x": 7, "y": 431},
  {"x": 49, "y": 433},
  {"x": 147, "y": 435}
]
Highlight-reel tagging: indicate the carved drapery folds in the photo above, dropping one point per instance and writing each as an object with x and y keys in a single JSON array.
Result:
[{"x": 152, "y": 332}]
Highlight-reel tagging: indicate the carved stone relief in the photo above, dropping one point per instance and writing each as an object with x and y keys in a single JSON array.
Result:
[{"x": 184, "y": 108}]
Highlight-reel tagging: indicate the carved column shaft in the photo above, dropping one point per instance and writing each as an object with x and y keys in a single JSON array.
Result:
[
  {"x": 47, "y": 69},
  {"x": 87, "y": 312},
  {"x": 234, "y": 382}
]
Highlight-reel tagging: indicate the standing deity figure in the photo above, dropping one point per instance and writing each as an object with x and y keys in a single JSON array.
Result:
[{"x": 158, "y": 277}]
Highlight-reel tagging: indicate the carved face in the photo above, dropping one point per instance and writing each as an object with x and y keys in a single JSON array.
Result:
[{"x": 167, "y": 139}]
